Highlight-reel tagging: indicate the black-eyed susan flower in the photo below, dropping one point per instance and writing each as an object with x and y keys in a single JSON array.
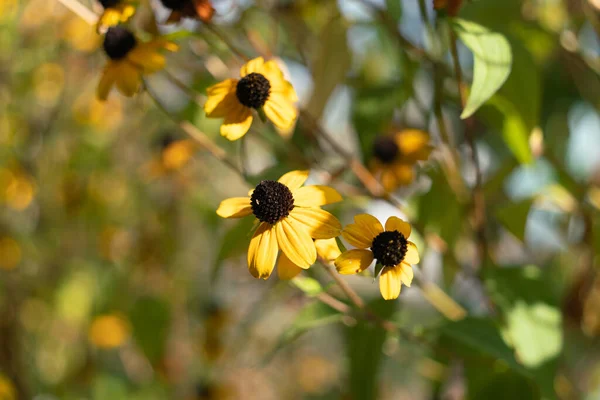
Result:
[
  {"x": 198, "y": 9},
  {"x": 263, "y": 88},
  {"x": 395, "y": 156},
  {"x": 129, "y": 59},
  {"x": 390, "y": 248},
  {"x": 289, "y": 218},
  {"x": 327, "y": 250},
  {"x": 115, "y": 12}
]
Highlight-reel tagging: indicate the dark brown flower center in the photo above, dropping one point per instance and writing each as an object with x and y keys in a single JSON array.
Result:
[
  {"x": 109, "y": 3},
  {"x": 271, "y": 201},
  {"x": 176, "y": 5},
  {"x": 385, "y": 149},
  {"x": 389, "y": 248},
  {"x": 118, "y": 42},
  {"x": 253, "y": 90}
]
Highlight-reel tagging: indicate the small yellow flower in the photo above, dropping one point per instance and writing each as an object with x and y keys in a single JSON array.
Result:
[
  {"x": 261, "y": 87},
  {"x": 129, "y": 60},
  {"x": 115, "y": 13},
  {"x": 394, "y": 157},
  {"x": 109, "y": 331},
  {"x": 289, "y": 218},
  {"x": 390, "y": 247}
]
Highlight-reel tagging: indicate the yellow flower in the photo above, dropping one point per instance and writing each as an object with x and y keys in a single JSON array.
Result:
[
  {"x": 289, "y": 218},
  {"x": 390, "y": 247},
  {"x": 115, "y": 13},
  {"x": 129, "y": 60},
  {"x": 109, "y": 331},
  {"x": 262, "y": 87},
  {"x": 394, "y": 157}
]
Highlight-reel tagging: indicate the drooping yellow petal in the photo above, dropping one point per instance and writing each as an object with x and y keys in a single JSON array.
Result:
[
  {"x": 145, "y": 57},
  {"x": 361, "y": 234},
  {"x": 255, "y": 65},
  {"x": 406, "y": 273},
  {"x": 327, "y": 249},
  {"x": 220, "y": 98},
  {"x": 319, "y": 224},
  {"x": 296, "y": 243},
  {"x": 412, "y": 254},
  {"x": 411, "y": 141},
  {"x": 315, "y": 196},
  {"x": 353, "y": 261},
  {"x": 107, "y": 81},
  {"x": 280, "y": 111},
  {"x": 389, "y": 283},
  {"x": 388, "y": 179},
  {"x": 235, "y": 207},
  {"x": 405, "y": 173},
  {"x": 294, "y": 179},
  {"x": 128, "y": 79},
  {"x": 262, "y": 252},
  {"x": 397, "y": 224},
  {"x": 236, "y": 123},
  {"x": 286, "y": 269}
]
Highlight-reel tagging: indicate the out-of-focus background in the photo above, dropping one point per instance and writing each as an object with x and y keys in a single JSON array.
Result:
[{"x": 119, "y": 281}]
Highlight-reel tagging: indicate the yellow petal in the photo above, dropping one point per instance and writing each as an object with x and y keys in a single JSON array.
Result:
[
  {"x": 128, "y": 79},
  {"x": 294, "y": 179},
  {"x": 251, "y": 66},
  {"x": 220, "y": 97},
  {"x": 397, "y": 224},
  {"x": 353, "y": 261},
  {"x": 412, "y": 254},
  {"x": 235, "y": 207},
  {"x": 262, "y": 252},
  {"x": 286, "y": 269},
  {"x": 318, "y": 223},
  {"x": 271, "y": 71},
  {"x": 410, "y": 141},
  {"x": 327, "y": 249},
  {"x": 388, "y": 179},
  {"x": 236, "y": 124},
  {"x": 404, "y": 173},
  {"x": 107, "y": 80},
  {"x": 145, "y": 57},
  {"x": 361, "y": 234},
  {"x": 406, "y": 273},
  {"x": 389, "y": 283},
  {"x": 280, "y": 111},
  {"x": 296, "y": 243},
  {"x": 315, "y": 196}
]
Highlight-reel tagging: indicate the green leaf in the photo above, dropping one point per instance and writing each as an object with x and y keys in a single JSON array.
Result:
[
  {"x": 151, "y": 320},
  {"x": 513, "y": 217},
  {"x": 394, "y": 9},
  {"x": 364, "y": 344},
  {"x": 492, "y": 62},
  {"x": 310, "y": 286}
]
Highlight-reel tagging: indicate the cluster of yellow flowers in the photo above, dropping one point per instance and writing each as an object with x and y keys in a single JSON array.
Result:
[{"x": 291, "y": 229}]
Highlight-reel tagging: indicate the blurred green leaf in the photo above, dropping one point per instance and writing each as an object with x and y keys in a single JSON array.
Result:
[
  {"x": 310, "y": 286},
  {"x": 235, "y": 242},
  {"x": 364, "y": 345},
  {"x": 108, "y": 387},
  {"x": 497, "y": 383},
  {"x": 492, "y": 62},
  {"x": 151, "y": 320},
  {"x": 513, "y": 217},
  {"x": 394, "y": 9}
]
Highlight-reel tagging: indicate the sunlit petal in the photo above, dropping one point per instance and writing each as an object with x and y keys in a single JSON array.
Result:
[
  {"x": 353, "y": 261},
  {"x": 262, "y": 252},
  {"x": 235, "y": 207},
  {"x": 286, "y": 269},
  {"x": 294, "y": 179},
  {"x": 397, "y": 224},
  {"x": 319, "y": 224},
  {"x": 296, "y": 243},
  {"x": 315, "y": 196},
  {"x": 389, "y": 283}
]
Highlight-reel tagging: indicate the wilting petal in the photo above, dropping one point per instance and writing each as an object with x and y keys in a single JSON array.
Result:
[
  {"x": 353, "y": 261},
  {"x": 327, "y": 249},
  {"x": 221, "y": 95},
  {"x": 318, "y": 223},
  {"x": 145, "y": 57},
  {"x": 397, "y": 224},
  {"x": 315, "y": 196},
  {"x": 406, "y": 273},
  {"x": 294, "y": 179},
  {"x": 296, "y": 243},
  {"x": 280, "y": 111},
  {"x": 106, "y": 81},
  {"x": 286, "y": 269},
  {"x": 235, "y": 207},
  {"x": 389, "y": 283},
  {"x": 412, "y": 254},
  {"x": 128, "y": 79},
  {"x": 236, "y": 124},
  {"x": 388, "y": 179},
  {"x": 262, "y": 252},
  {"x": 255, "y": 65}
]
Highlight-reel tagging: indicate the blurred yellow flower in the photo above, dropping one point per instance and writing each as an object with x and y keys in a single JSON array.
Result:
[
  {"x": 10, "y": 255},
  {"x": 80, "y": 35},
  {"x": 262, "y": 87},
  {"x": 109, "y": 331},
  {"x": 390, "y": 247},
  {"x": 129, "y": 60},
  {"x": 17, "y": 190},
  {"x": 48, "y": 83},
  {"x": 290, "y": 218},
  {"x": 8, "y": 9},
  {"x": 103, "y": 115},
  {"x": 115, "y": 12},
  {"x": 7, "y": 390},
  {"x": 394, "y": 157}
]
